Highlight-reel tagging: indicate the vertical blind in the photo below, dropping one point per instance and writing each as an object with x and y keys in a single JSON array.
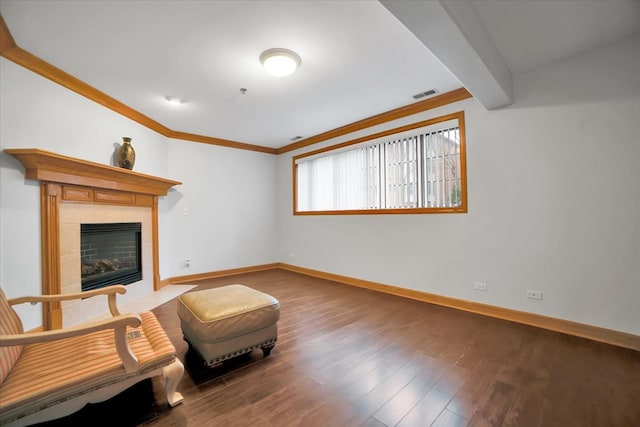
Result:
[{"x": 416, "y": 171}]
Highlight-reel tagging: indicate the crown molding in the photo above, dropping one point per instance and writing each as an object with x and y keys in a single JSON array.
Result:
[
  {"x": 6, "y": 39},
  {"x": 408, "y": 110},
  {"x": 10, "y": 50}
]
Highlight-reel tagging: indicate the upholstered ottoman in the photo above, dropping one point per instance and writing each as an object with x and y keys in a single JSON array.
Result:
[{"x": 225, "y": 322}]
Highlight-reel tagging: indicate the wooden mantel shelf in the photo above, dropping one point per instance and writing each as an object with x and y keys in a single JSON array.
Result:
[{"x": 51, "y": 167}]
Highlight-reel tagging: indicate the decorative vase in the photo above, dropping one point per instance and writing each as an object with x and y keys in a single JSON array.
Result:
[{"x": 126, "y": 154}]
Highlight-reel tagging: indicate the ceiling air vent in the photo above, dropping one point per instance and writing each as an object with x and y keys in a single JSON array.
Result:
[{"x": 423, "y": 94}]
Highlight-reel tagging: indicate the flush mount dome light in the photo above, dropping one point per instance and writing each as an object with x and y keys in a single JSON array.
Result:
[{"x": 280, "y": 62}]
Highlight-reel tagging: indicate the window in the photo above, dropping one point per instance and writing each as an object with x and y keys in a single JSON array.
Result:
[{"x": 418, "y": 168}]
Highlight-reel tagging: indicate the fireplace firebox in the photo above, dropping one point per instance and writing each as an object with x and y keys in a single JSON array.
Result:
[{"x": 110, "y": 254}]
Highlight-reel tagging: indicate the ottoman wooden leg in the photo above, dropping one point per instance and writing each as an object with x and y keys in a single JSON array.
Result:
[{"x": 266, "y": 350}]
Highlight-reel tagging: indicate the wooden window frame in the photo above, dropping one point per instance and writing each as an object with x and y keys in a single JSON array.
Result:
[{"x": 462, "y": 208}]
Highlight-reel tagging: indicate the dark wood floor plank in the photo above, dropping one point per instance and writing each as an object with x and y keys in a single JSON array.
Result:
[
  {"x": 466, "y": 401},
  {"x": 531, "y": 378},
  {"x": 430, "y": 408},
  {"x": 295, "y": 402},
  {"x": 372, "y": 422},
  {"x": 378, "y": 363},
  {"x": 380, "y": 384},
  {"x": 352, "y": 357},
  {"x": 495, "y": 405},
  {"x": 399, "y": 405},
  {"x": 333, "y": 412},
  {"x": 449, "y": 419},
  {"x": 386, "y": 390}
]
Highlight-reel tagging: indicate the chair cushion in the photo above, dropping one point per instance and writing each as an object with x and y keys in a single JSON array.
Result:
[
  {"x": 10, "y": 324},
  {"x": 51, "y": 372}
]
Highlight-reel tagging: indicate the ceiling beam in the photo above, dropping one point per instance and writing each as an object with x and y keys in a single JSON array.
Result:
[{"x": 454, "y": 32}]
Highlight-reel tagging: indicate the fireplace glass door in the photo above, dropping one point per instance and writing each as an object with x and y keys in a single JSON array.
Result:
[{"x": 110, "y": 254}]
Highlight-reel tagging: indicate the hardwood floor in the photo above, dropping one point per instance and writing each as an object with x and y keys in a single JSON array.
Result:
[{"x": 352, "y": 357}]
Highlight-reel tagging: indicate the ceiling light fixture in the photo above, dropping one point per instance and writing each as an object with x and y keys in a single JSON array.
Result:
[
  {"x": 280, "y": 62},
  {"x": 173, "y": 100}
]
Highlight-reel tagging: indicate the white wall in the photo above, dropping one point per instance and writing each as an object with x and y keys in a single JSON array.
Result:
[
  {"x": 553, "y": 197},
  {"x": 36, "y": 113},
  {"x": 230, "y": 197}
]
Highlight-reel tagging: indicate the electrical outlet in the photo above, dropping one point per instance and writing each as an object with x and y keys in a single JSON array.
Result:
[
  {"x": 534, "y": 295},
  {"x": 185, "y": 212},
  {"x": 479, "y": 286},
  {"x": 187, "y": 263}
]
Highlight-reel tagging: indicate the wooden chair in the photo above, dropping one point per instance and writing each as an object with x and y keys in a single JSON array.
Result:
[{"x": 51, "y": 374}]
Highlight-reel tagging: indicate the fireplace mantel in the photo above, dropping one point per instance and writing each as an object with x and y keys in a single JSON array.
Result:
[
  {"x": 68, "y": 180},
  {"x": 51, "y": 167}
]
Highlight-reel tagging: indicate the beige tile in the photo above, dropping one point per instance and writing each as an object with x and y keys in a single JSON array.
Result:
[
  {"x": 69, "y": 270},
  {"x": 72, "y": 288},
  {"x": 72, "y": 314},
  {"x": 92, "y": 307},
  {"x": 66, "y": 304},
  {"x": 69, "y": 239},
  {"x": 114, "y": 214},
  {"x": 91, "y": 214},
  {"x": 127, "y": 214},
  {"x": 69, "y": 213}
]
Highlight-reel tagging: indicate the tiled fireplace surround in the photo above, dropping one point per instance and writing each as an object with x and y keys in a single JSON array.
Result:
[
  {"x": 71, "y": 216},
  {"x": 73, "y": 192}
]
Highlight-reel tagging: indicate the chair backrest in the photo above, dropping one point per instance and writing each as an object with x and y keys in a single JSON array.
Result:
[{"x": 10, "y": 324}]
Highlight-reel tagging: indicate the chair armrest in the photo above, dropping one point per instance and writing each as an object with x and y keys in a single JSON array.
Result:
[
  {"x": 118, "y": 324},
  {"x": 110, "y": 291}
]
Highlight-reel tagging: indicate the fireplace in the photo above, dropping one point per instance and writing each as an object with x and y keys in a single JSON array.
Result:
[
  {"x": 75, "y": 192},
  {"x": 110, "y": 254}
]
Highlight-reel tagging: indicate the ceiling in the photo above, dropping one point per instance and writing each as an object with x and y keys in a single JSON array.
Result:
[{"x": 359, "y": 58}]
